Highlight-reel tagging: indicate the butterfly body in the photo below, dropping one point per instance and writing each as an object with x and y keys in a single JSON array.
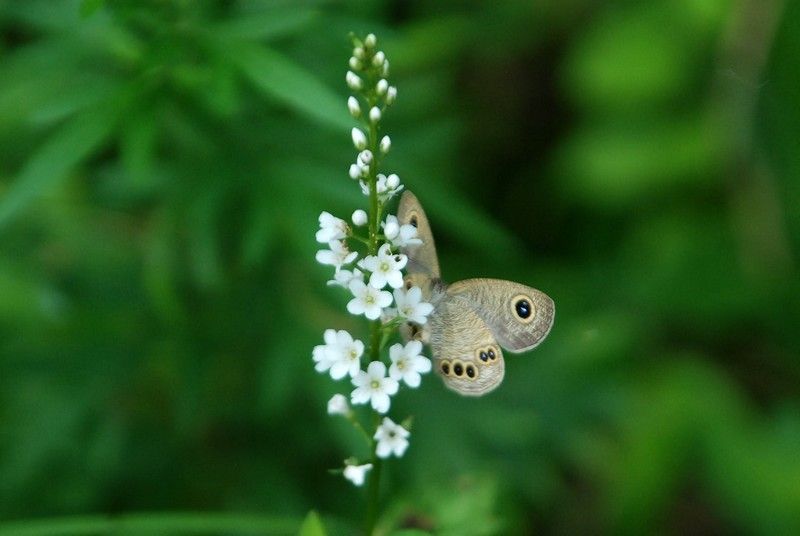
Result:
[{"x": 473, "y": 318}]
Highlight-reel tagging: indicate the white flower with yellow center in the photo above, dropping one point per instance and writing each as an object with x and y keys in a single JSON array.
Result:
[
  {"x": 410, "y": 305},
  {"x": 375, "y": 387},
  {"x": 331, "y": 228},
  {"x": 408, "y": 364},
  {"x": 337, "y": 256},
  {"x": 385, "y": 267},
  {"x": 368, "y": 300},
  {"x": 345, "y": 355},
  {"x": 392, "y": 439}
]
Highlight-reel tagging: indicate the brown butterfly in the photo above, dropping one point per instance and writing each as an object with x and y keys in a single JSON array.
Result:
[{"x": 471, "y": 319}]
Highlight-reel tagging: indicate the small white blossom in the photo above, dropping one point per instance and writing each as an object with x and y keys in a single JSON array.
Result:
[
  {"x": 407, "y": 363},
  {"x": 386, "y": 268},
  {"x": 354, "y": 63},
  {"x": 406, "y": 234},
  {"x": 392, "y": 439},
  {"x": 330, "y": 228},
  {"x": 359, "y": 218},
  {"x": 357, "y": 473},
  {"x": 359, "y": 139},
  {"x": 370, "y": 41},
  {"x": 364, "y": 157},
  {"x": 367, "y": 300},
  {"x": 410, "y": 305},
  {"x": 375, "y": 114},
  {"x": 353, "y": 81},
  {"x": 391, "y": 94},
  {"x": 385, "y": 70},
  {"x": 375, "y": 387},
  {"x": 382, "y": 86},
  {"x": 337, "y": 256},
  {"x": 342, "y": 278},
  {"x": 353, "y": 106},
  {"x": 354, "y": 171},
  {"x": 338, "y": 405},
  {"x": 384, "y": 191},
  {"x": 378, "y": 58},
  {"x": 345, "y": 355},
  {"x": 320, "y": 355},
  {"x": 386, "y": 144},
  {"x": 358, "y": 52}
]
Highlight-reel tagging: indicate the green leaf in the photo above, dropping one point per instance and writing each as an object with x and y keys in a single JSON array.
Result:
[
  {"x": 68, "y": 147},
  {"x": 90, "y": 7},
  {"x": 286, "y": 82},
  {"x": 312, "y": 526}
]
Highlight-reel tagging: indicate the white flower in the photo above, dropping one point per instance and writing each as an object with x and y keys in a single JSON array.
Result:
[
  {"x": 337, "y": 256},
  {"x": 345, "y": 355},
  {"x": 354, "y": 63},
  {"x": 320, "y": 355},
  {"x": 358, "y": 52},
  {"x": 375, "y": 114},
  {"x": 378, "y": 58},
  {"x": 330, "y": 228},
  {"x": 359, "y": 217},
  {"x": 342, "y": 278},
  {"x": 392, "y": 439},
  {"x": 370, "y": 41},
  {"x": 356, "y": 473},
  {"x": 386, "y": 144},
  {"x": 338, "y": 405},
  {"x": 407, "y": 363},
  {"x": 404, "y": 236},
  {"x": 410, "y": 305},
  {"x": 391, "y": 93},
  {"x": 385, "y": 70},
  {"x": 359, "y": 139},
  {"x": 375, "y": 387},
  {"x": 386, "y": 268},
  {"x": 382, "y": 86},
  {"x": 368, "y": 300},
  {"x": 352, "y": 105},
  {"x": 354, "y": 171},
  {"x": 353, "y": 81}
]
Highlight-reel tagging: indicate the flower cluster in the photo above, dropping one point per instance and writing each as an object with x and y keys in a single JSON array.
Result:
[{"x": 368, "y": 263}]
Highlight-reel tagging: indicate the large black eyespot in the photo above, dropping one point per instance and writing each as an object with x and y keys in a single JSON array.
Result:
[
  {"x": 523, "y": 308},
  {"x": 491, "y": 354},
  {"x": 470, "y": 371},
  {"x": 446, "y": 368},
  {"x": 413, "y": 221},
  {"x": 484, "y": 356},
  {"x": 458, "y": 369}
]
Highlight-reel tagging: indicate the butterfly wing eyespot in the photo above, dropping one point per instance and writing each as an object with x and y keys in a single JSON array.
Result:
[{"x": 522, "y": 308}]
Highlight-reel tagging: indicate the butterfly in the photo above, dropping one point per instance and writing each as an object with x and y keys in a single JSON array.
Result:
[{"x": 472, "y": 319}]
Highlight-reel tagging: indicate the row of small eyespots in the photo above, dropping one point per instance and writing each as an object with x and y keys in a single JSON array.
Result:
[
  {"x": 458, "y": 369},
  {"x": 487, "y": 354}
]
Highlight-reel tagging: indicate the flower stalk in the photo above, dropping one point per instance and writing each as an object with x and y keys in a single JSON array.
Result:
[{"x": 376, "y": 378}]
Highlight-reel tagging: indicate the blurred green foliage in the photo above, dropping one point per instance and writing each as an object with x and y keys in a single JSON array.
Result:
[{"x": 162, "y": 164}]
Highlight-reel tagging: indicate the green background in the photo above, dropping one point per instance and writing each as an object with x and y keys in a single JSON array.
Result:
[{"x": 162, "y": 167}]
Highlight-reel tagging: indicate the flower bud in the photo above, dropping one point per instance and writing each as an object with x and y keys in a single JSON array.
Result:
[
  {"x": 392, "y": 181},
  {"x": 391, "y": 230},
  {"x": 391, "y": 94},
  {"x": 378, "y": 58},
  {"x": 355, "y": 63},
  {"x": 359, "y": 218},
  {"x": 353, "y": 81},
  {"x": 354, "y": 171},
  {"x": 358, "y": 53},
  {"x": 365, "y": 157},
  {"x": 370, "y": 41},
  {"x": 382, "y": 86},
  {"x": 359, "y": 139},
  {"x": 352, "y": 105},
  {"x": 375, "y": 114},
  {"x": 338, "y": 405},
  {"x": 385, "y": 70},
  {"x": 386, "y": 144}
]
